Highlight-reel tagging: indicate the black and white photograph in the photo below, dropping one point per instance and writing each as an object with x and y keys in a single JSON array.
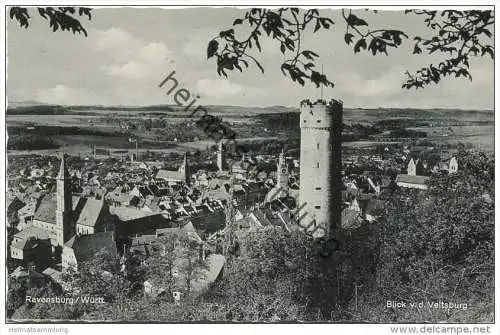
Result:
[{"x": 250, "y": 164}]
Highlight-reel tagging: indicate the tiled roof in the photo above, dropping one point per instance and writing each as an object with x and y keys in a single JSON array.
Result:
[
  {"x": 128, "y": 213},
  {"x": 210, "y": 223},
  {"x": 46, "y": 211},
  {"x": 90, "y": 212},
  {"x": 33, "y": 231},
  {"x": 86, "y": 246},
  {"x": 404, "y": 178},
  {"x": 54, "y": 274},
  {"x": 171, "y": 175}
]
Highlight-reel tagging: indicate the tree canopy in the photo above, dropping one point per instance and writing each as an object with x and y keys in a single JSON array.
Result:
[{"x": 459, "y": 35}]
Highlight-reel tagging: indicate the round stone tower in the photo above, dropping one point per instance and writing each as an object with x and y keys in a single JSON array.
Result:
[{"x": 320, "y": 166}]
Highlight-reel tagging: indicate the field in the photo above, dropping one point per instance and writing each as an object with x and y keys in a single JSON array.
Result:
[{"x": 168, "y": 129}]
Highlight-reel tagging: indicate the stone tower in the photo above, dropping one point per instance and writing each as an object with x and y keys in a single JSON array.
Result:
[
  {"x": 320, "y": 166},
  {"x": 282, "y": 175},
  {"x": 221, "y": 159},
  {"x": 64, "y": 221}
]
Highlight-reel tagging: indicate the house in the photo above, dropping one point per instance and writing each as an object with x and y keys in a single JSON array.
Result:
[
  {"x": 371, "y": 209},
  {"x": 351, "y": 219},
  {"x": 94, "y": 217},
  {"x": 25, "y": 214},
  {"x": 208, "y": 223},
  {"x": 56, "y": 277},
  {"x": 81, "y": 248},
  {"x": 27, "y": 273},
  {"x": 120, "y": 196},
  {"x": 45, "y": 214},
  {"x": 453, "y": 166},
  {"x": 208, "y": 275},
  {"x": 31, "y": 231},
  {"x": 409, "y": 181},
  {"x": 412, "y": 168},
  {"x": 14, "y": 204},
  {"x": 182, "y": 175},
  {"x": 131, "y": 221},
  {"x": 32, "y": 249},
  {"x": 241, "y": 168}
]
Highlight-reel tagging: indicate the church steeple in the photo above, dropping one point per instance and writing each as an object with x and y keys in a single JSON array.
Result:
[
  {"x": 64, "y": 222},
  {"x": 221, "y": 159},
  {"x": 63, "y": 171},
  {"x": 184, "y": 168},
  {"x": 282, "y": 174}
]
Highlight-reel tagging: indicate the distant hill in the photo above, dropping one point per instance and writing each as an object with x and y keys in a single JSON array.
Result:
[{"x": 37, "y": 108}]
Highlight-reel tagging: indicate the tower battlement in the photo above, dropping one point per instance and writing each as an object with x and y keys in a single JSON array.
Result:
[{"x": 320, "y": 114}]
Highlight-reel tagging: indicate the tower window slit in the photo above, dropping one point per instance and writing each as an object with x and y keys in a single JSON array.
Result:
[{"x": 317, "y": 165}]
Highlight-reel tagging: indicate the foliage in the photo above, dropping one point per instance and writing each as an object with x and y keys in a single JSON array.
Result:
[
  {"x": 439, "y": 246},
  {"x": 461, "y": 34},
  {"x": 174, "y": 263},
  {"x": 64, "y": 18}
]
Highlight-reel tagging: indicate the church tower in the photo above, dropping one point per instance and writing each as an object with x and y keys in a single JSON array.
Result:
[
  {"x": 282, "y": 175},
  {"x": 221, "y": 159},
  {"x": 64, "y": 221},
  {"x": 320, "y": 166},
  {"x": 184, "y": 168}
]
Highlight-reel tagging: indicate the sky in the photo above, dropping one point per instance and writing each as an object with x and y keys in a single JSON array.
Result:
[{"x": 130, "y": 51}]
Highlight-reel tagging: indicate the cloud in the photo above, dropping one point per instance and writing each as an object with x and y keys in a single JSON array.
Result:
[
  {"x": 223, "y": 88},
  {"x": 130, "y": 70},
  {"x": 129, "y": 57},
  {"x": 385, "y": 85},
  {"x": 64, "y": 95},
  {"x": 218, "y": 88},
  {"x": 154, "y": 53}
]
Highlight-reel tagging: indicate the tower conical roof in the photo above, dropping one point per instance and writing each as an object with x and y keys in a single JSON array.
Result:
[{"x": 63, "y": 171}]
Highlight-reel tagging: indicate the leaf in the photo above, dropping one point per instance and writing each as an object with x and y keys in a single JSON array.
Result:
[
  {"x": 353, "y": 20},
  {"x": 309, "y": 65},
  {"x": 260, "y": 66},
  {"x": 41, "y": 11},
  {"x": 284, "y": 67},
  {"x": 256, "y": 38},
  {"x": 483, "y": 31},
  {"x": 417, "y": 50},
  {"x": 317, "y": 26},
  {"x": 361, "y": 44},
  {"x": 237, "y": 21},
  {"x": 487, "y": 49},
  {"x": 282, "y": 48},
  {"x": 348, "y": 38},
  {"x": 213, "y": 45}
]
